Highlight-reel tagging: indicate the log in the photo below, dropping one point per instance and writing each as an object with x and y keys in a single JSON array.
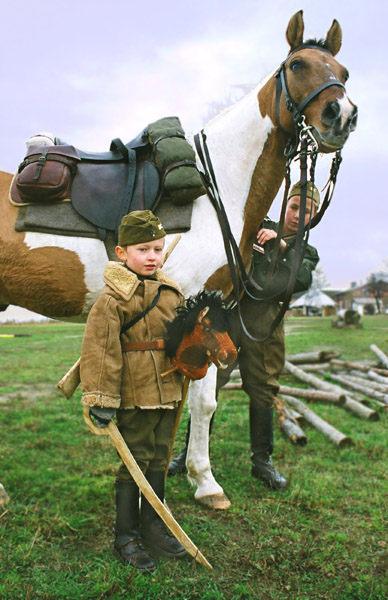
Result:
[
  {"x": 232, "y": 385},
  {"x": 349, "y": 364},
  {"x": 337, "y": 437},
  {"x": 368, "y": 382},
  {"x": 382, "y": 356},
  {"x": 312, "y": 367},
  {"x": 350, "y": 404},
  {"x": 376, "y": 377},
  {"x": 288, "y": 423},
  {"x": 313, "y": 394},
  {"x": 312, "y": 357},
  {"x": 383, "y": 372},
  {"x": 347, "y": 382}
]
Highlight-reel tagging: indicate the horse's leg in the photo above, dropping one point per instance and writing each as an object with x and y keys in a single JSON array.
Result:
[
  {"x": 3, "y": 496},
  {"x": 202, "y": 404}
]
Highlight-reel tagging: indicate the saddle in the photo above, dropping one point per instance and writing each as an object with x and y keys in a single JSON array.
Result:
[{"x": 103, "y": 187}]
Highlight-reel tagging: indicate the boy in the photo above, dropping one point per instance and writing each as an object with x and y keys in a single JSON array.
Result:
[{"x": 122, "y": 359}]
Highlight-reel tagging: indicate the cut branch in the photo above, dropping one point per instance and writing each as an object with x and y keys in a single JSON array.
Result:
[
  {"x": 288, "y": 423},
  {"x": 313, "y": 394},
  {"x": 312, "y": 357}
]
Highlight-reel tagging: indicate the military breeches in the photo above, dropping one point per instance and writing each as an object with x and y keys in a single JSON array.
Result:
[
  {"x": 260, "y": 362},
  {"x": 148, "y": 434}
]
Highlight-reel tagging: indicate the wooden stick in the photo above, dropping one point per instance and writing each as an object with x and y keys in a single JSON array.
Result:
[
  {"x": 178, "y": 416},
  {"x": 313, "y": 394},
  {"x": 145, "y": 487},
  {"x": 382, "y": 356},
  {"x": 369, "y": 382},
  {"x": 335, "y": 436},
  {"x": 71, "y": 380},
  {"x": 348, "y": 364},
  {"x": 311, "y": 367},
  {"x": 350, "y": 404}
]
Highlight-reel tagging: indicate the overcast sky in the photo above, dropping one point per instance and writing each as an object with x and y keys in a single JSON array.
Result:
[{"x": 90, "y": 71}]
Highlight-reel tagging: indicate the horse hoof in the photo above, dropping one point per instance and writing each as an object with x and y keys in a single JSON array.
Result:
[{"x": 215, "y": 501}]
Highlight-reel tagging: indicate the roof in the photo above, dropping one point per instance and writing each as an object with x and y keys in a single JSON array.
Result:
[{"x": 313, "y": 298}]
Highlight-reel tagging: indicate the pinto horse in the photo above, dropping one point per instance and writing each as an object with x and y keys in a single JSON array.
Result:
[{"x": 61, "y": 276}]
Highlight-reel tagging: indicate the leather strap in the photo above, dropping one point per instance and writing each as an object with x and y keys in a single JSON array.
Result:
[{"x": 158, "y": 344}]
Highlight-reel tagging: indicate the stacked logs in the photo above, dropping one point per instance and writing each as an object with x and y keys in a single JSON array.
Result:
[{"x": 362, "y": 390}]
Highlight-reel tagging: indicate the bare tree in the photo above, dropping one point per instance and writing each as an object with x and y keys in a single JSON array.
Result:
[{"x": 377, "y": 286}]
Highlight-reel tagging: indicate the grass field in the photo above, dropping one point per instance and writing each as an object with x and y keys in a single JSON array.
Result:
[{"x": 325, "y": 537}]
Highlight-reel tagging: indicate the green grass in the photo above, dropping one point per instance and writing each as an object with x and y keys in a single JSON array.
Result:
[{"x": 323, "y": 538}]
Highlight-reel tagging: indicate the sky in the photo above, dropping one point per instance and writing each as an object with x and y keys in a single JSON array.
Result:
[{"x": 90, "y": 71}]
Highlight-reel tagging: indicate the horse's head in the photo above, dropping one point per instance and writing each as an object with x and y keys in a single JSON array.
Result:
[
  {"x": 314, "y": 82},
  {"x": 198, "y": 336}
]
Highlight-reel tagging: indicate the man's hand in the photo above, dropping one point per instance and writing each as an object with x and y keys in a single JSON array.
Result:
[
  {"x": 266, "y": 235},
  {"x": 102, "y": 415}
]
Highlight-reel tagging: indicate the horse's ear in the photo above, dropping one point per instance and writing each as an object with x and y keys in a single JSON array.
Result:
[
  {"x": 295, "y": 29},
  {"x": 334, "y": 38},
  {"x": 202, "y": 314}
]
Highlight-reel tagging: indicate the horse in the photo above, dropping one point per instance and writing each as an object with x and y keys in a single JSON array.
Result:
[{"x": 60, "y": 277}]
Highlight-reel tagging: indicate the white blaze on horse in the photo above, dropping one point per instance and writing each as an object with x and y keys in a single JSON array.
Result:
[{"x": 61, "y": 277}]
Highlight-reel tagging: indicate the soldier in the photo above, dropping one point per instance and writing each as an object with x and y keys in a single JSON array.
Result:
[
  {"x": 261, "y": 362},
  {"x": 122, "y": 359}
]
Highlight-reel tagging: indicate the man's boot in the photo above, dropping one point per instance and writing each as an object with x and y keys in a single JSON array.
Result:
[
  {"x": 128, "y": 547},
  {"x": 154, "y": 533},
  {"x": 261, "y": 433}
]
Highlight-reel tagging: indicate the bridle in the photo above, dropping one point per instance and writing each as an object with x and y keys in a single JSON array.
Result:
[{"x": 301, "y": 145}]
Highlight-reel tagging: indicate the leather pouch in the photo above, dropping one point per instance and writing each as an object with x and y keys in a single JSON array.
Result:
[{"x": 46, "y": 173}]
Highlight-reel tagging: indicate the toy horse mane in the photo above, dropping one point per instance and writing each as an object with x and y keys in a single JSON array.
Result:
[{"x": 186, "y": 318}]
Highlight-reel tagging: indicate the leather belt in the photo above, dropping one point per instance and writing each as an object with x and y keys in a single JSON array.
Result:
[{"x": 133, "y": 346}]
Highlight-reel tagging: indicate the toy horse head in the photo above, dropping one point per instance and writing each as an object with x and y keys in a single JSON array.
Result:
[{"x": 199, "y": 335}]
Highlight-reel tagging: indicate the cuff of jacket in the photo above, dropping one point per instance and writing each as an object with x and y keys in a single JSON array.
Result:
[{"x": 98, "y": 399}]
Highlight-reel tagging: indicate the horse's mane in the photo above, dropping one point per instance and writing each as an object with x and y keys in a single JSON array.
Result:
[
  {"x": 312, "y": 42},
  {"x": 186, "y": 319}
]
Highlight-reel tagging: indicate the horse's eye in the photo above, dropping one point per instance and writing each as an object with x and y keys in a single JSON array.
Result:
[
  {"x": 295, "y": 65},
  {"x": 345, "y": 76}
]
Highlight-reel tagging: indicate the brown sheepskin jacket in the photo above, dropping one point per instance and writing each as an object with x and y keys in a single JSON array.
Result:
[{"x": 111, "y": 378}]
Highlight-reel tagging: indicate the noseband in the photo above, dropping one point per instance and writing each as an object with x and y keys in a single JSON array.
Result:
[{"x": 297, "y": 109}]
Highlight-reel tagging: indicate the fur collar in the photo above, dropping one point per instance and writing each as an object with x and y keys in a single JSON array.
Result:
[{"x": 118, "y": 277}]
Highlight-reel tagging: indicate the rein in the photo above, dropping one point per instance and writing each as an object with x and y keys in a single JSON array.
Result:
[{"x": 303, "y": 145}]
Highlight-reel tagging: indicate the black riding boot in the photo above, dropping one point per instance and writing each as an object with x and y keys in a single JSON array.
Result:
[
  {"x": 261, "y": 432},
  {"x": 128, "y": 546},
  {"x": 153, "y": 531}
]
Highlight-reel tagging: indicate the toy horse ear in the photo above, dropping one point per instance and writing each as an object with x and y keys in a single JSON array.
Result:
[
  {"x": 295, "y": 29},
  {"x": 202, "y": 314},
  {"x": 334, "y": 38}
]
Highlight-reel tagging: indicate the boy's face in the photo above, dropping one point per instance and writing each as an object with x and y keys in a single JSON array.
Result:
[
  {"x": 144, "y": 258},
  {"x": 291, "y": 218}
]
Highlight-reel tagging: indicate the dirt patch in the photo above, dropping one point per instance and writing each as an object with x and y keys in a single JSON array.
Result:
[{"x": 29, "y": 393}]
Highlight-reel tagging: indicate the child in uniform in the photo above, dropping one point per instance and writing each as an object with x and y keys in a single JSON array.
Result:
[{"x": 122, "y": 360}]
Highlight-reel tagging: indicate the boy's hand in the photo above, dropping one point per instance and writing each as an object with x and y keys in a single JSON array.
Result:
[{"x": 102, "y": 415}]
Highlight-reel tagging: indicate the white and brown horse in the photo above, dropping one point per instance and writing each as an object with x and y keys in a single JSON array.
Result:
[{"x": 61, "y": 276}]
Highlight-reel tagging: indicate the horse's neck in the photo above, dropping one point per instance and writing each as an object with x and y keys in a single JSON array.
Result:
[{"x": 247, "y": 154}]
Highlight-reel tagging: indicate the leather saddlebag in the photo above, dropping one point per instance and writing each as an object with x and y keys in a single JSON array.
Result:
[{"x": 46, "y": 173}]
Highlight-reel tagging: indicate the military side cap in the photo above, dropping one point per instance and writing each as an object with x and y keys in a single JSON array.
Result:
[
  {"x": 138, "y": 227},
  {"x": 312, "y": 192}
]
